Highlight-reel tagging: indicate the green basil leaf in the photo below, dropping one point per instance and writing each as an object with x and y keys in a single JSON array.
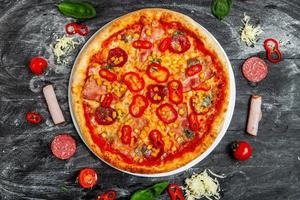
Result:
[
  {"x": 221, "y": 8},
  {"x": 78, "y": 10},
  {"x": 150, "y": 193}
]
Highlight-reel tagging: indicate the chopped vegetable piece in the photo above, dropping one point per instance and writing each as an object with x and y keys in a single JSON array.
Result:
[
  {"x": 55, "y": 111},
  {"x": 133, "y": 81},
  {"x": 156, "y": 93},
  {"x": 150, "y": 193},
  {"x": 110, "y": 195},
  {"x": 87, "y": 178},
  {"x": 241, "y": 150},
  {"x": 272, "y": 50},
  {"x": 108, "y": 75},
  {"x": 255, "y": 115},
  {"x": 142, "y": 44},
  {"x": 221, "y": 8},
  {"x": 117, "y": 57},
  {"x": 63, "y": 146},
  {"x": 200, "y": 106},
  {"x": 175, "y": 192},
  {"x": 156, "y": 138},
  {"x": 106, "y": 102},
  {"x": 193, "y": 70},
  {"x": 165, "y": 44},
  {"x": 175, "y": 88},
  {"x": 138, "y": 105},
  {"x": 38, "y": 65},
  {"x": 166, "y": 113},
  {"x": 194, "y": 124},
  {"x": 158, "y": 73},
  {"x": 78, "y": 10},
  {"x": 126, "y": 134},
  {"x": 34, "y": 117},
  {"x": 73, "y": 28}
]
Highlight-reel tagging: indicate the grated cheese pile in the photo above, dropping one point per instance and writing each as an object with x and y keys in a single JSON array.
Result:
[
  {"x": 63, "y": 47},
  {"x": 249, "y": 32},
  {"x": 202, "y": 185}
]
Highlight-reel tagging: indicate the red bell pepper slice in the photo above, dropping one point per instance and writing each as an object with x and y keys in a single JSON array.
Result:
[
  {"x": 110, "y": 195},
  {"x": 108, "y": 75},
  {"x": 166, "y": 113},
  {"x": 117, "y": 57},
  {"x": 105, "y": 115},
  {"x": 158, "y": 73},
  {"x": 73, "y": 28},
  {"x": 138, "y": 105},
  {"x": 156, "y": 138},
  {"x": 272, "y": 50},
  {"x": 196, "y": 84},
  {"x": 194, "y": 124},
  {"x": 34, "y": 117},
  {"x": 133, "y": 81},
  {"x": 108, "y": 98},
  {"x": 156, "y": 93},
  {"x": 175, "y": 88},
  {"x": 193, "y": 70},
  {"x": 165, "y": 44},
  {"x": 126, "y": 134},
  {"x": 179, "y": 44},
  {"x": 142, "y": 44},
  {"x": 175, "y": 192}
]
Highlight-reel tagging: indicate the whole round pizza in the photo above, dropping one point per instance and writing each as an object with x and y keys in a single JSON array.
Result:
[{"x": 150, "y": 91}]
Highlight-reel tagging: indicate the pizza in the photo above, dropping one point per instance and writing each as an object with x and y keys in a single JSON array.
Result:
[{"x": 150, "y": 91}]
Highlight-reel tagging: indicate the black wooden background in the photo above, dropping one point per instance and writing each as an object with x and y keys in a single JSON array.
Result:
[{"x": 29, "y": 171}]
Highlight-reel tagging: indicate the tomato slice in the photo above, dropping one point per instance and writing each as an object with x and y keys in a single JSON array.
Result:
[
  {"x": 126, "y": 134},
  {"x": 193, "y": 122},
  {"x": 138, "y": 105},
  {"x": 38, "y": 65},
  {"x": 133, "y": 81},
  {"x": 142, "y": 44},
  {"x": 117, "y": 57},
  {"x": 156, "y": 93},
  {"x": 166, "y": 113},
  {"x": 193, "y": 70},
  {"x": 34, "y": 117},
  {"x": 87, "y": 178},
  {"x": 158, "y": 73},
  {"x": 175, "y": 88},
  {"x": 108, "y": 75},
  {"x": 179, "y": 44},
  {"x": 105, "y": 115},
  {"x": 165, "y": 44},
  {"x": 156, "y": 138},
  {"x": 110, "y": 195}
]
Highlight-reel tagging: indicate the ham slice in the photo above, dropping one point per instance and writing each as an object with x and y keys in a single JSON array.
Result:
[
  {"x": 255, "y": 115},
  {"x": 54, "y": 109},
  {"x": 93, "y": 91}
]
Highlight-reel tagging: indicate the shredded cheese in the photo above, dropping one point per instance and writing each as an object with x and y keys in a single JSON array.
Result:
[
  {"x": 63, "y": 47},
  {"x": 203, "y": 185},
  {"x": 249, "y": 32}
]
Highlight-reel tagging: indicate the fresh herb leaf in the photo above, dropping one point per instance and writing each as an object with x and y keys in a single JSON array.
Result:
[
  {"x": 150, "y": 193},
  {"x": 78, "y": 10},
  {"x": 107, "y": 66},
  {"x": 207, "y": 101},
  {"x": 64, "y": 188},
  {"x": 188, "y": 133},
  {"x": 177, "y": 32},
  {"x": 155, "y": 60},
  {"x": 221, "y": 8}
]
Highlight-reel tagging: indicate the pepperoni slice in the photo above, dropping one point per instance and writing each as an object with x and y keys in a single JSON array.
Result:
[
  {"x": 255, "y": 69},
  {"x": 63, "y": 146}
]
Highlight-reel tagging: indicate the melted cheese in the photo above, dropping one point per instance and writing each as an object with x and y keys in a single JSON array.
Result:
[
  {"x": 63, "y": 47},
  {"x": 203, "y": 185},
  {"x": 249, "y": 32}
]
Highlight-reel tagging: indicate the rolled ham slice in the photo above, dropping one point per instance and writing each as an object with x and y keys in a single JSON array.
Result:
[
  {"x": 255, "y": 115},
  {"x": 55, "y": 111}
]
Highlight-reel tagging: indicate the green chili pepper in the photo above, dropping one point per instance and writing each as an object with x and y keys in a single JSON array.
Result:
[
  {"x": 150, "y": 193},
  {"x": 221, "y": 8},
  {"x": 77, "y": 10}
]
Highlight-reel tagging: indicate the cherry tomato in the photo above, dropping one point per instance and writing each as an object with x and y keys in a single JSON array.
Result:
[
  {"x": 87, "y": 178},
  {"x": 142, "y": 44},
  {"x": 34, "y": 117},
  {"x": 241, "y": 150},
  {"x": 117, "y": 57},
  {"x": 165, "y": 44},
  {"x": 38, "y": 65},
  {"x": 110, "y": 195},
  {"x": 126, "y": 134}
]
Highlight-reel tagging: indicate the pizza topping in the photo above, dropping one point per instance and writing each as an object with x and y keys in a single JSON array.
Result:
[
  {"x": 93, "y": 91},
  {"x": 272, "y": 50},
  {"x": 156, "y": 138},
  {"x": 165, "y": 44},
  {"x": 142, "y": 44},
  {"x": 63, "y": 146},
  {"x": 255, "y": 69},
  {"x": 200, "y": 105},
  {"x": 158, "y": 73},
  {"x": 175, "y": 91},
  {"x": 126, "y": 134},
  {"x": 188, "y": 133},
  {"x": 179, "y": 44},
  {"x": 110, "y": 195},
  {"x": 117, "y": 57},
  {"x": 108, "y": 75},
  {"x": 166, "y": 113},
  {"x": 196, "y": 84},
  {"x": 34, "y": 117},
  {"x": 133, "y": 81},
  {"x": 87, "y": 178},
  {"x": 175, "y": 192},
  {"x": 73, "y": 28},
  {"x": 138, "y": 105},
  {"x": 106, "y": 102},
  {"x": 38, "y": 65},
  {"x": 156, "y": 93},
  {"x": 193, "y": 70},
  {"x": 194, "y": 124},
  {"x": 105, "y": 115}
]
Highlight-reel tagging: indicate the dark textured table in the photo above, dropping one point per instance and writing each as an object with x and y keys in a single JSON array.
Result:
[{"x": 29, "y": 171}]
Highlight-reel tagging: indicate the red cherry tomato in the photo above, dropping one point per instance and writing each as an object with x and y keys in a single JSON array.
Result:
[
  {"x": 110, "y": 195},
  {"x": 165, "y": 44},
  {"x": 142, "y": 44},
  {"x": 34, "y": 117},
  {"x": 38, "y": 65},
  {"x": 117, "y": 57},
  {"x": 87, "y": 178},
  {"x": 126, "y": 134},
  {"x": 241, "y": 150}
]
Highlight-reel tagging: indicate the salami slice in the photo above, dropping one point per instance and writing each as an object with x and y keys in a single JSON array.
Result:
[
  {"x": 255, "y": 69},
  {"x": 63, "y": 146}
]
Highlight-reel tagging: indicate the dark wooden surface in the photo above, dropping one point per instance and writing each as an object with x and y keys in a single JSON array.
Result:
[{"x": 29, "y": 171}]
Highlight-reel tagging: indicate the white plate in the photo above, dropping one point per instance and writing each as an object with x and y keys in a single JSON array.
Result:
[{"x": 227, "y": 120}]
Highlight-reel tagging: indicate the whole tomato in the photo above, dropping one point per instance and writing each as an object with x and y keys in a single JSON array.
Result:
[
  {"x": 38, "y": 65},
  {"x": 241, "y": 150}
]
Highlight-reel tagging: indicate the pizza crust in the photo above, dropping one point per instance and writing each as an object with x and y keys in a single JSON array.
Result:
[{"x": 80, "y": 71}]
